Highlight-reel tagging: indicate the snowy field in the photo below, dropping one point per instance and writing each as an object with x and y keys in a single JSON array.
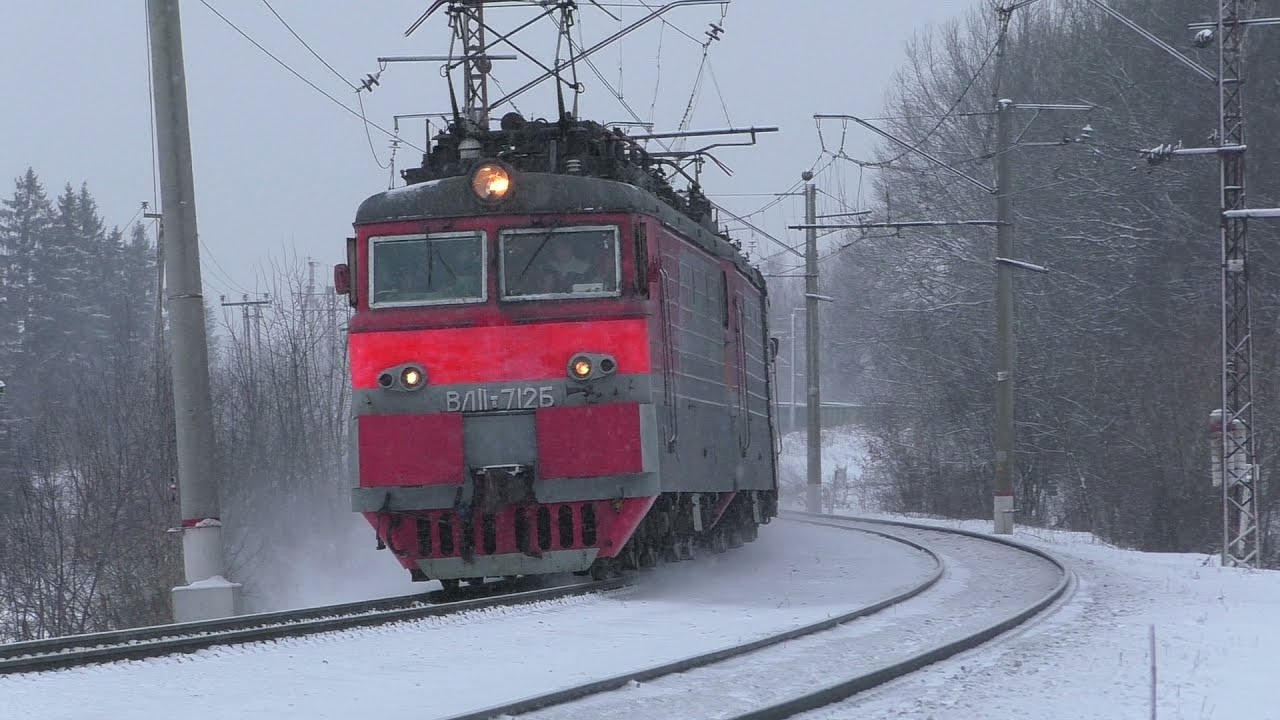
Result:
[
  {"x": 791, "y": 576},
  {"x": 1217, "y": 639}
]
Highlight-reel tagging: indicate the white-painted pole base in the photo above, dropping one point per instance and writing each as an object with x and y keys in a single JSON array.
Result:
[
  {"x": 208, "y": 594},
  {"x": 1004, "y": 514},
  {"x": 813, "y": 499}
]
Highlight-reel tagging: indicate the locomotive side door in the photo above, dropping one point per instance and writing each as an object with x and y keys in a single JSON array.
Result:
[{"x": 735, "y": 362}]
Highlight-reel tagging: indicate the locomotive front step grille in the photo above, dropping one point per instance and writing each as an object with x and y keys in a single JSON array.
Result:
[{"x": 530, "y": 530}]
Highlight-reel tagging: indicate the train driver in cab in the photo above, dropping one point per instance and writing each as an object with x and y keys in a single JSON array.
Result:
[{"x": 567, "y": 269}]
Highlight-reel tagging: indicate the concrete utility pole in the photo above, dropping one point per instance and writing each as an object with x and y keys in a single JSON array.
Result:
[
  {"x": 208, "y": 594},
  {"x": 813, "y": 400},
  {"x": 1002, "y": 506},
  {"x": 791, "y": 416},
  {"x": 248, "y": 308},
  {"x": 1002, "y": 490},
  {"x": 158, "y": 319}
]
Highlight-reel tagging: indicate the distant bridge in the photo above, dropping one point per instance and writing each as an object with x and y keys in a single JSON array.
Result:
[{"x": 834, "y": 414}]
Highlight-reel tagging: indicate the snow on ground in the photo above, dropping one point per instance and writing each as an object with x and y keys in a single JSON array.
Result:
[
  {"x": 843, "y": 459},
  {"x": 1217, "y": 646},
  {"x": 966, "y": 600},
  {"x": 791, "y": 576},
  {"x": 1217, "y": 642}
]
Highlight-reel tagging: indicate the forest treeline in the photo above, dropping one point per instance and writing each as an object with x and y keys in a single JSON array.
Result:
[
  {"x": 1118, "y": 344},
  {"x": 87, "y": 456}
]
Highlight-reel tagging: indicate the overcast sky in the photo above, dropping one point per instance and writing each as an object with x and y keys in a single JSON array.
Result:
[{"x": 280, "y": 169}]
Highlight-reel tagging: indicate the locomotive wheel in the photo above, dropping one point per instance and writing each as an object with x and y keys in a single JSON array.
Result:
[
  {"x": 718, "y": 542},
  {"x": 649, "y": 556},
  {"x": 685, "y": 549},
  {"x": 630, "y": 557},
  {"x": 604, "y": 569},
  {"x": 450, "y": 585},
  {"x": 734, "y": 538},
  {"x": 663, "y": 523}
]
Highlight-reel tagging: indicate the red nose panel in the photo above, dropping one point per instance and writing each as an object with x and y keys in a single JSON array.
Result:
[
  {"x": 410, "y": 449},
  {"x": 497, "y": 353},
  {"x": 589, "y": 441}
]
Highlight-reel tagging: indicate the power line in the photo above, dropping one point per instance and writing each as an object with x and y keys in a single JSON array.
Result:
[
  {"x": 225, "y": 275},
  {"x": 368, "y": 136},
  {"x": 712, "y": 36},
  {"x": 151, "y": 99},
  {"x": 298, "y": 75},
  {"x": 667, "y": 23},
  {"x": 711, "y": 70},
  {"x": 360, "y": 99},
  {"x": 780, "y": 198},
  {"x": 959, "y": 99},
  {"x": 657, "y": 75},
  {"x": 309, "y": 49}
]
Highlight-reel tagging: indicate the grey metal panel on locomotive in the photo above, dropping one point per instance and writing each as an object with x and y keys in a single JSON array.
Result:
[
  {"x": 717, "y": 436},
  {"x": 433, "y": 497},
  {"x": 450, "y": 398}
]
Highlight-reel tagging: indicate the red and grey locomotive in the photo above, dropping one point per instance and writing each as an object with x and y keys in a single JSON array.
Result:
[{"x": 558, "y": 362}]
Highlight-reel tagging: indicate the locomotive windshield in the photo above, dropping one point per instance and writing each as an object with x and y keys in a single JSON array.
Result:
[
  {"x": 559, "y": 262},
  {"x": 443, "y": 268}
]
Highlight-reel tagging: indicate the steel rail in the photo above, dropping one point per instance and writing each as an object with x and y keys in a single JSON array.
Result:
[
  {"x": 577, "y": 692},
  {"x": 70, "y": 651},
  {"x": 849, "y": 687},
  {"x": 152, "y": 632}
]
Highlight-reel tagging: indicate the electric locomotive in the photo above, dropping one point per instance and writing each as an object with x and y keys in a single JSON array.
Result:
[{"x": 558, "y": 362}]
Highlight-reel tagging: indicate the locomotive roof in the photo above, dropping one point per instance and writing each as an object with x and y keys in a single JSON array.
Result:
[{"x": 541, "y": 194}]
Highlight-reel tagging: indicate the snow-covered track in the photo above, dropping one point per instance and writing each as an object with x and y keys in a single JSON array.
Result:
[
  {"x": 984, "y": 586},
  {"x": 848, "y": 687},
  {"x": 137, "y": 643},
  {"x": 577, "y": 692}
]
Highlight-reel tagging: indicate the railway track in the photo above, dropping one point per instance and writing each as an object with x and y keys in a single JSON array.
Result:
[
  {"x": 756, "y": 674},
  {"x": 137, "y": 643}
]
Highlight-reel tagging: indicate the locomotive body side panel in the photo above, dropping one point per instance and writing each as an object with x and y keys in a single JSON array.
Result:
[{"x": 710, "y": 371}]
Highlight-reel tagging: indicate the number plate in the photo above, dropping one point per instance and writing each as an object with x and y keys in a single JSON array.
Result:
[{"x": 488, "y": 399}]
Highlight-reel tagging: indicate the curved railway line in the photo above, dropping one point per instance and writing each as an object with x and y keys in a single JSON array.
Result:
[
  {"x": 680, "y": 673},
  {"x": 155, "y": 641},
  {"x": 956, "y": 603}
]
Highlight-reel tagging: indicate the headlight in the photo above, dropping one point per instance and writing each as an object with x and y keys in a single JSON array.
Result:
[
  {"x": 403, "y": 378},
  {"x": 411, "y": 378},
  {"x": 491, "y": 182},
  {"x": 591, "y": 366}
]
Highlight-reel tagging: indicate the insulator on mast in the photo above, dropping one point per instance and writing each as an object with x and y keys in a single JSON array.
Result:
[{"x": 1215, "y": 446}]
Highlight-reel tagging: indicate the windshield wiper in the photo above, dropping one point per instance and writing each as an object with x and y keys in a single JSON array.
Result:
[{"x": 545, "y": 239}]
